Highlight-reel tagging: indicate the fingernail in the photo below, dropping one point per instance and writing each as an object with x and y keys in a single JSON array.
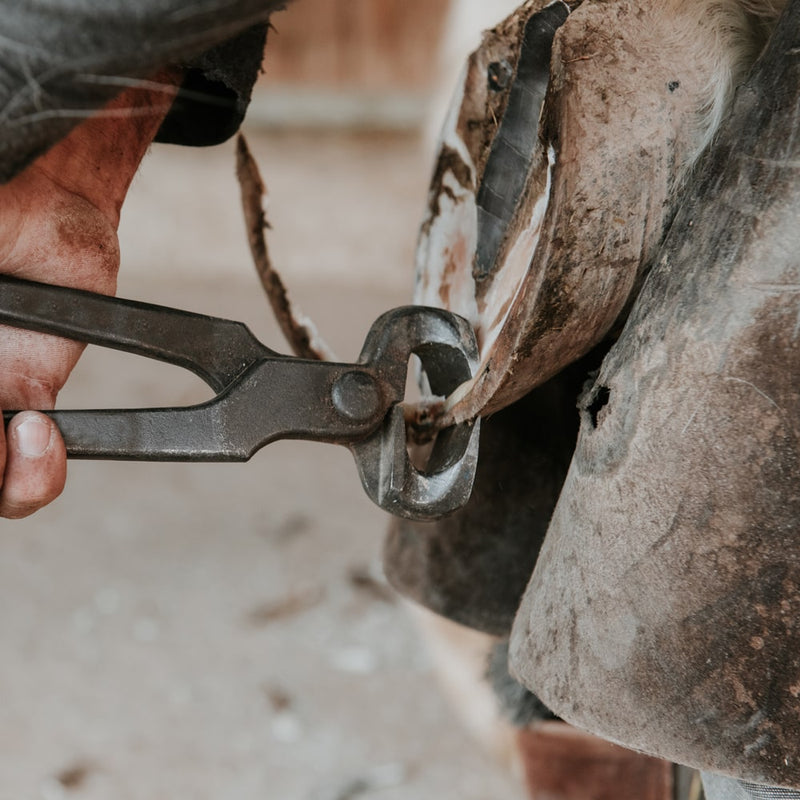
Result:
[{"x": 33, "y": 437}]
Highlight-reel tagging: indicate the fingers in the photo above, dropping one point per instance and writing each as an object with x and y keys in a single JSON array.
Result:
[{"x": 35, "y": 465}]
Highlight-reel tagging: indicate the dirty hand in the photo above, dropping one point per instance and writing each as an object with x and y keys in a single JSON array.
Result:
[{"x": 58, "y": 224}]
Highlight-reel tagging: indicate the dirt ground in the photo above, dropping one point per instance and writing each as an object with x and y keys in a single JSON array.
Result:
[{"x": 223, "y": 631}]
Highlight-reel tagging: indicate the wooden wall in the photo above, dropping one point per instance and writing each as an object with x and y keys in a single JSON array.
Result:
[{"x": 355, "y": 44}]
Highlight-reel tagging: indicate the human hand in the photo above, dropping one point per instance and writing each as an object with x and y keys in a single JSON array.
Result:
[{"x": 58, "y": 224}]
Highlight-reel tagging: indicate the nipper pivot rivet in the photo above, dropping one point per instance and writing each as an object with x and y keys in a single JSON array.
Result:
[{"x": 356, "y": 396}]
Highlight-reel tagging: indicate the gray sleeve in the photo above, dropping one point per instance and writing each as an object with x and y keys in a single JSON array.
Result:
[{"x": 60, "y": 60}]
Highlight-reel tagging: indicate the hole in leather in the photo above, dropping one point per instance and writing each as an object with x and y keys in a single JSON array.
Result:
[
  {"x": 599, "y": 402},
  {"x": 499, "y": 75}
]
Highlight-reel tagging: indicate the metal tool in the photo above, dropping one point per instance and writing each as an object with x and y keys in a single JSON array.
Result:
[{"x": 263, "y": 396}]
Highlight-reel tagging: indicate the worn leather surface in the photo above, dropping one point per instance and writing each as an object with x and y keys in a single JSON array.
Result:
[{"x": 664, "y": 610}]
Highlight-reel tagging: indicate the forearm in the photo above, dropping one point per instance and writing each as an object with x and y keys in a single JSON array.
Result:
[
  {"x": 62, "y": 60},
  {"x": 58, "y": 223},
  {"x": 98, "y": 159}
]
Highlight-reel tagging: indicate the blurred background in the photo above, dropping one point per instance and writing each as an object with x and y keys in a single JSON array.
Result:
[
  {"x": 224, "y": 631},
  {"x": 365, "y": 63}
]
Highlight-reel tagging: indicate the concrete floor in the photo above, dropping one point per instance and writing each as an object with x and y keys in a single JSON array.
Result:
[{"x": 222, "y": 631}]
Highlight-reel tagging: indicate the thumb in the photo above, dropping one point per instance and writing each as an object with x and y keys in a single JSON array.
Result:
[{"x": 35, "y": 465}]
